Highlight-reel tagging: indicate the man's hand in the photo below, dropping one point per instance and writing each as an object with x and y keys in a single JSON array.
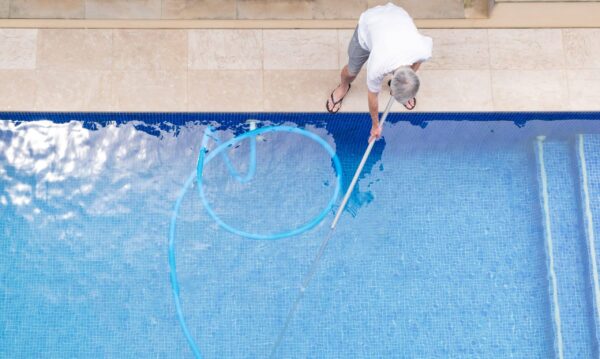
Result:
[
  {"x": 375, "y": 134},
  {"x": 374, "y": 112}
]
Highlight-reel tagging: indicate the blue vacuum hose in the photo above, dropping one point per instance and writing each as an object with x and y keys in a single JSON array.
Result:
[{"x": 202, "y": 160}]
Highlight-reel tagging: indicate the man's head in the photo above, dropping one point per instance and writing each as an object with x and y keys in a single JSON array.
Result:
[{"x": 405, "y": 84}]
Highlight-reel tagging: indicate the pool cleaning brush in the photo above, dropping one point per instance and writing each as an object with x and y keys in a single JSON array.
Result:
[
  {"x": 360, "y": 166},
  {"x": 315, "y": 264}
]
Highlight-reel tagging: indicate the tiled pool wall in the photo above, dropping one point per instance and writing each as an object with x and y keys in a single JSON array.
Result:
[{"x": 287, "y": 70}]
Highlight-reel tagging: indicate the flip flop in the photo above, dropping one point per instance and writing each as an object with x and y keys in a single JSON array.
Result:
[
  {"x": 335, "y": 103},
  {"x": 413, "y": 107}
]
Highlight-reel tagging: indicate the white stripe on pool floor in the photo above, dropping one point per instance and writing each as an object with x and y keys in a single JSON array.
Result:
[{"x": 548, "y": 232}]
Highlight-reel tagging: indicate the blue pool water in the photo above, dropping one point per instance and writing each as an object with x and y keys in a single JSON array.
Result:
[{"x": 468, "y": 235}]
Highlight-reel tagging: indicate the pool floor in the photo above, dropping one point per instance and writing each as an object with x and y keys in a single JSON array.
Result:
[{"x": 462, "y": 239}]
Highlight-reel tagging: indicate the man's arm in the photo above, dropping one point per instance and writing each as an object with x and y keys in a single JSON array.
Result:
[
  {"x": 374, "y": 111},
  {"x": 374, "y": 108}
]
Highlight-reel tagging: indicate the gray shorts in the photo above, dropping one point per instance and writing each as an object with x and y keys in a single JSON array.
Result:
[{"x": 357, "y": 56}]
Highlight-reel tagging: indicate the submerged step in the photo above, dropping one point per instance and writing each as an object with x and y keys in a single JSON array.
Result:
[
  {"x": 570, "y": 291},
  {"x": 588, "y": 155}
]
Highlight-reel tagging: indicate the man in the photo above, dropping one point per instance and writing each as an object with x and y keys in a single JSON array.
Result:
[{"x": 387, "y": 37}]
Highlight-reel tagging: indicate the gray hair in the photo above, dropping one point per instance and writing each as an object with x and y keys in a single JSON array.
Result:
[{"x": 405, "y": 84}]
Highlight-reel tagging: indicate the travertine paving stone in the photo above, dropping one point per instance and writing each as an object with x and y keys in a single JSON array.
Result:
[
  {"x": 150, "y": 49},
  {"x": 530, "y": 90},
  {"x": 295, "y": 90},
  {"x": 17, "y": 90},
  {"x": 45, "y": 9},
  {"x": 198, "y": 9},
  {"x": 150, "y": 90},
  {"x": 300, "y": 49},
  {"x": 582, "y": 48},
  {"x": 18, "y": 49},
  {"x": 225, "y": 49},
  {"x": 275, "y": 9},
  {"x": 527, "y": 49},
  {"x": 75, "y": 49},
  {"x": 225, "y": 90},
  {"x": 584, "y": 89},
  {"x": 287, "y": 70},
  {"x": 73, "y": 90},
  {"x": 4, "y": 8},
  {"x": 432, "y": 9},
  {"x": 123, "y": 9},
  {"x": 459, "y": 49},
  {"x": 459, "y": 90},
  {"x": 338, "y": 9}
]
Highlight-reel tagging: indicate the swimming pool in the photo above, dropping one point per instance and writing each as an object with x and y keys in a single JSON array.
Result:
[{"x": 468, "y": 235}]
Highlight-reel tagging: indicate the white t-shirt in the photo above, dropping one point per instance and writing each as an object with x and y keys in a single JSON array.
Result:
[{"x": 390, "y": 34}]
